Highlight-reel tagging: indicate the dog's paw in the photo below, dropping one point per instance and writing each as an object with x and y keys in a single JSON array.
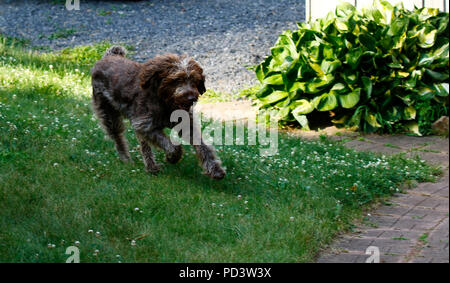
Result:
[
  {"x": 125, "y": 158},
  {"x": 214, "y": 170},
  {"x": 154, "y": 169},
  {"x": 175, "y": 155}
]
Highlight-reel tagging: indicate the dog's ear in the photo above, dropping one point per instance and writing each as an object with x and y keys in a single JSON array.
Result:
[
  {"x": 201, "y": 86},
  {"x": 150, "y": 76}
]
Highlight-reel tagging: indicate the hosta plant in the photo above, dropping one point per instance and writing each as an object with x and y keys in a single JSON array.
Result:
[{"x": 383, "y": 68}]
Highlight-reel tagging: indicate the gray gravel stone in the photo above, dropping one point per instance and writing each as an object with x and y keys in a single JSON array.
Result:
[{"x": 225, "y": 36}]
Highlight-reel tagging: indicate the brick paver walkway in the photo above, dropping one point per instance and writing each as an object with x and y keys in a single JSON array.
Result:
[{"x": 411, "y": 227}]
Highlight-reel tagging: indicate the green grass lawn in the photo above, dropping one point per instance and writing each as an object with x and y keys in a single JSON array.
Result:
[{"x": 60, "y": 178}]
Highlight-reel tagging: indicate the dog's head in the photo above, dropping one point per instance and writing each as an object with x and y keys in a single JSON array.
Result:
[{"x": 177, "y": 80}]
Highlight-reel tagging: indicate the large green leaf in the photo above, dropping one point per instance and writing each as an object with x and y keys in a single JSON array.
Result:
[
  {"x": 326, "y": 102},
  {"x": 353, "y": 57},
  {"x": 441, "y": 89},
  {"x": 427, "y": 38},
  {"x": 329, "y": 66},
  {"x": 339, "y": 88},
  {"x": 298, "y": 86},
  {"x": 398, "y": 27},
  {"x": 276, "y": 79},
  {"x": 437, "y": 76},
  {"x": 368, "y": 41},
  {"x": 371, "y": 119},
  {"x": 409, "y": 113},
  {"x": 304, "y": 107},
  {"x": 342, "y": 25},
  {"x": 385, "y": 9},
  {"x": 426, "y": 13},
  {"x": 318, "y": 84},
  {"x": 302, "y": 120},
  {"x": 367, "y": 86},
  {"x": 274, "y": 97},
  {"x": 413, "y": 127},
  {"x": 426, "y": 92},
  {"x": 345, "y": 10},
  {"x": 350, "y": 100}
]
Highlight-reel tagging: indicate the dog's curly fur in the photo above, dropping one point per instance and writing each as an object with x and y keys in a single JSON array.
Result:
[{"x": 147, "y": 94}]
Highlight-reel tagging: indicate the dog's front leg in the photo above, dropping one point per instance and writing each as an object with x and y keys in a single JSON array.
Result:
[
  {"x": 209, "y": 161},
  {"x": 206, "y": 154}
]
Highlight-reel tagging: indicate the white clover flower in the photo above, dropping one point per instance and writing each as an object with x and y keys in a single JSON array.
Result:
[
  {"x": 133, "y": 243},
  {"x": 77, "y": 243},
  {"x": 291, "y": 218}
]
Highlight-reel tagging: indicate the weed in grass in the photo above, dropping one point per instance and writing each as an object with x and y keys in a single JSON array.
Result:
[
  {"x": 61, "y": 33},
  {"x": 423, "y": 238},
  {"x": 387, "y": 203},
  {"x": 418, "y": 217},
  {"x": 392, "y": 254},
  {"x": 367, "y": 222},
  {"x": 392, "y": 146},
  {"x": 400, "y": 239},
  {"x": 426, "y": 150},
  {"x": 103, "y": 12},
  {"x": 211, "y": 96}
]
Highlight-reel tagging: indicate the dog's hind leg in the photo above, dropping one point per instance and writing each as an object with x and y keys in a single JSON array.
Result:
[
  {"x": 173, "y": 152},
  {"x": 112, "y": 122}
]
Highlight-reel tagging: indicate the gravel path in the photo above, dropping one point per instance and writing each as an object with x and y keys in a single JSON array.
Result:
[{"x": 225, "y": 36}]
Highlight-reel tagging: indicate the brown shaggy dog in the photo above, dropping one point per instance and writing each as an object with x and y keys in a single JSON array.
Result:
[{"x": 147, "y": 94}]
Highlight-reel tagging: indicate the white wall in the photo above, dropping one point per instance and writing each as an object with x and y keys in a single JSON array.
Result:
[{"x": 320, "y": 8}]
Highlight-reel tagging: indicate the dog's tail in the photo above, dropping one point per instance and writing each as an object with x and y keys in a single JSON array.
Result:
[{"x": 115, "y": 50}]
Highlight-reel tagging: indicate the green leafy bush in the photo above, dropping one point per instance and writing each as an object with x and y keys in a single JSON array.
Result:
[{"x": 383, "y": 69}]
